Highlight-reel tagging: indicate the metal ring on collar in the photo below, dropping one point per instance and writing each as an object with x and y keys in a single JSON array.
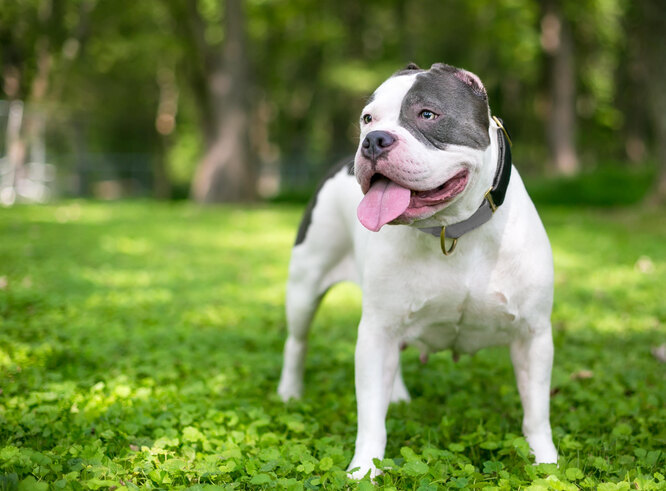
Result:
[{"x": 442, "y": 243}]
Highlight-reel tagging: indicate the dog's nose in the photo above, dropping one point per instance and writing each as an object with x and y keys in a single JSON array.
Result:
[{"x": 376, "y": 143}]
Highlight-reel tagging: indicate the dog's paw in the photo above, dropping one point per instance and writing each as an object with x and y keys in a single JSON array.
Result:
[
  {"x": 288, "y": 391},
  {"x": 359, "y": 472},
  {"x": 543, "y": 449},
  {"x": 549, "y": 457}
]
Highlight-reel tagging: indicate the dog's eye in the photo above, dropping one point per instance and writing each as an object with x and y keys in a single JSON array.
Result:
[
  {"x": 366, "y": 118},
  {"x": 429, "y": 115}
]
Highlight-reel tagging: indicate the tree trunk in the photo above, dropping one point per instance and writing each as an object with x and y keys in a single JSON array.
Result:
[
  {"x": 15, "y": 152},
  {"x": 165, "y": 123},
  {"x": 36, "y": 125},
  {"x": 658, "y": 195},
  {"x": 651, "y": 29},
  {"x": 557, "y": 42},
  {"x": 80, "y": 142},
  {"x": 227, "y": 172}
]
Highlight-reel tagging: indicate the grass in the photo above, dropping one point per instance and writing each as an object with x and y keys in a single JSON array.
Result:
[
  {"x": 140, "y": 346},
  {"x": 610, "y": 184}
]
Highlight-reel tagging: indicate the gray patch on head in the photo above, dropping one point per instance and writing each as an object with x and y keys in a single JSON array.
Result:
[
  {"x": 307, "y": 215},
  {"x": 459, "y": 100}
]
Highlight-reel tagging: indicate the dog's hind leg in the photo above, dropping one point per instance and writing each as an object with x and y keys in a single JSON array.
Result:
[
  {"x": 399, "y": 392},
  {"x": 305, "y": 289},
  {"x": 321, "y": 258},
  {"x": 302, "y": 303}
]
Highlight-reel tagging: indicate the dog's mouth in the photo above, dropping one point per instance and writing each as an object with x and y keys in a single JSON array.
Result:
[{"x": 387, "y": 201}]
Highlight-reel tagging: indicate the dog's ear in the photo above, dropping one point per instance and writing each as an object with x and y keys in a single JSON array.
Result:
[
  {"x": 410, "y": 69},
  {"x": 473, "y": 81},
  {"x": 468, "y": 78}
]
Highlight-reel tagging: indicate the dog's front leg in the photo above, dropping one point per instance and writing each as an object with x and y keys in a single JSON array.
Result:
[
  {"x": 532, "y": 362},
  {"x": 377, "y": 358}
]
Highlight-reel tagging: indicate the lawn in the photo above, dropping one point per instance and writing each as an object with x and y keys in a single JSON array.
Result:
[{"x": 140, "y": 346}]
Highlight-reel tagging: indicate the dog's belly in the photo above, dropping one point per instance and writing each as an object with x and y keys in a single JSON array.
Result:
[{"x": 467, "y": 324}]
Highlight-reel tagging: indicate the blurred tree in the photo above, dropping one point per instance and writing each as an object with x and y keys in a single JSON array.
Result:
[
  {"x": 87, "y": 71},
  {"x": 557, "y": 43},
  {"x": 32, "y": 35},
  {"x": 649, "y": 27},
  {"x": 219, "y": 75},
  {"x": 165, "y": 123},
  {"x": 116, "y": 81}
]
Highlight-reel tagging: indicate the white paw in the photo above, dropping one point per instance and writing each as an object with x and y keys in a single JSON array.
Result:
[
  {"x": 289, "y": 390},
  {"x": 362, "y": 471},
  {"x": 543, "y": 449}
]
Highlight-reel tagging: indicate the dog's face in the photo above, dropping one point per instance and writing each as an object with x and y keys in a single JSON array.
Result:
[{"x": 423, "y": 137}]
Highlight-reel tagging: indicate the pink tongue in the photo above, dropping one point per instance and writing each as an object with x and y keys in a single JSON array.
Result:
[{"x": 385, "y": 201}]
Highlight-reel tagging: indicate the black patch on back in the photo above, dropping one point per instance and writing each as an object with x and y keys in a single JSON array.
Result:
[
  {"x": 462, "y": 109},
  {"x": 307, "y": 215}
]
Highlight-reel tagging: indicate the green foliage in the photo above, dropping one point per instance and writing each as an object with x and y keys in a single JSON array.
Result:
[
  {"x": 610, "y": 185},
  {"x": 313, "y": 64},
  {"x": 140, "y": 346}
]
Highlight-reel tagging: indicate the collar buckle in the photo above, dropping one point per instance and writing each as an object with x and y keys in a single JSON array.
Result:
[{"x": 498, "y": 121}]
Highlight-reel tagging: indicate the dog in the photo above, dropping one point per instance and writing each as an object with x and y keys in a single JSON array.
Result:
[{"x": 435, "y": 225}]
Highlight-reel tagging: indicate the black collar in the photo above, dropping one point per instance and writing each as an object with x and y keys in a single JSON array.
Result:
[{"x": 493, "y": 198}]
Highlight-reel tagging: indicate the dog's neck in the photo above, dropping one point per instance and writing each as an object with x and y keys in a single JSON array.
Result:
[{"x": 489, "y": 189}]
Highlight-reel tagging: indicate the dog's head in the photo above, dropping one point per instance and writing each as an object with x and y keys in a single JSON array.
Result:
[{"x": 424, "y": 142}]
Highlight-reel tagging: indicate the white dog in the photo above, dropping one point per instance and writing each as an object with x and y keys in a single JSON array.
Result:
[{"x": 435, "y": 166}]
